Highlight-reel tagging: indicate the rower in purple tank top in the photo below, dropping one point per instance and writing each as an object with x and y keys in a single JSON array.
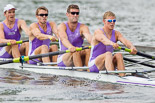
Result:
[
  {"x": 41, "y": 36},
  {"x": 103, "y": 44},
  {"x": 72, "y": 34},
  {"x": 12, "y": 33},
  {"x": 35, "y": 43},
  {"x": 73, "y": 37},
  {"x": 10, "y": 30},
  {"x": 100, "y": 48}
]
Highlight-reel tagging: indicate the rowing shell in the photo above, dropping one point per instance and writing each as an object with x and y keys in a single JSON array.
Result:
[{"x": 82, "y": 74}]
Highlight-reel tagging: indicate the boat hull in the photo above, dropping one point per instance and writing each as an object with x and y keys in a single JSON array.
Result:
[{"x": 82, "y": 74}]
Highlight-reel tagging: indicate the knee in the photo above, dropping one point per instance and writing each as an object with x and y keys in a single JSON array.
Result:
[
  {"x": 26, "y": 44},
  {"x": 54, "y": 48},
  {"x": 119, "y": 56},
  {"x": 108, "y": 54},
  {"x": 44, "y": 47},
  {"x": 14, "y": 46},
  {"x": 87, "y": 51},
  {"x": 76, "y": 54}
]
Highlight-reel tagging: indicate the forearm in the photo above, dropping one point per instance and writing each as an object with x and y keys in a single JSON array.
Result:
[
  {"x": 66, "y": 43},
  {"x": 128, "y": 44},
  {"x": 36, "y": 33},
  {"x": 106, "y": 41},
  {"x": 5, "y": 40},
  {"x": 27, "y": 31},
  {"x": 43, "y": 37}
]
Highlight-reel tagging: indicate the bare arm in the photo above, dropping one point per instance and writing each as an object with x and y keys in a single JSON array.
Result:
[
  {"x": 54, "y": 29},
  {"x": 37, "y": 33},
  {"x": 24, "y": 27},
  {"x": 99, "y": 36},
  {"x": 63, "y": 37},
  {"x": 2, "y": 37},
  {"x": 2, "y": 40},
  {"x": 126, "y": 42},
  {"x": 86, "y": 33}
]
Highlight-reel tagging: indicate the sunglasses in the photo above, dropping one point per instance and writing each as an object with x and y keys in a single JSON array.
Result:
[
  {"x": 111, "y": 20},
  {"x": 42, "y": 14},
  {"x": 73, "y": 13}
]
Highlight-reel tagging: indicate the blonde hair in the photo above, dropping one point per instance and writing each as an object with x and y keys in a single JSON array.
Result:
[
  {"x": 41, "y": 8},
  {"x": 107, "y": 14}
]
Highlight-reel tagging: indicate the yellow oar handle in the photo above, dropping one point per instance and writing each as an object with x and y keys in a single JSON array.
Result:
[
  {"x": 139, "y": 53},
  {"x": 79, "y": 49},
  {"x": 16, "y": 60},
  {"x": 8, "y": 44},
  {"x": 126, "y": 49},
  {"x": 21, "y": 59},
  {"x": 56, "y": 39},
  {"x": 17, "y": 42},
  {"x": 26, "y": 58}
]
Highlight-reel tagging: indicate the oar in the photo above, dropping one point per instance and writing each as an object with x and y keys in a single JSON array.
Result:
[
  {"x": 26, "y": 58},
  {"x": 135, "y": 61},
  {"x": 128, "y": 71},
  {"x": 56, "y": 40},
  {"x": 139, "y": 53},
  {"x": 17, "y": 42}
]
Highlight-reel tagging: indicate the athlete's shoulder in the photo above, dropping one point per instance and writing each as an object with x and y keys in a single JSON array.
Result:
[
  {"x": 33, "y": 25},
  {"x": 62, "y": 26}
]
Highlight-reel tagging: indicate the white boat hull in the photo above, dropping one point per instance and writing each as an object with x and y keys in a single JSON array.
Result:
[{"x": 82, "y": 74}]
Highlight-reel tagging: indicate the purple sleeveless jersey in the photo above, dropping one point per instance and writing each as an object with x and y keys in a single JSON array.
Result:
[
  {"x": 99, "y": 49},
  {"x": 35, "y": 43},
  {"x": 12, "y": 33},
  {"x": 74, "y": 38}
]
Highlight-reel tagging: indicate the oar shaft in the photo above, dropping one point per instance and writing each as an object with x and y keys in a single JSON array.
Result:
[
  {"x": 139, "y": 53},
  {"x": 6, "y": 62},
  {"x": 135, "y": 61},
  {"x": 56, "y": 53},
  {"x": 26, "y": 58},
  {"x": 17, "y": 42},
  {"x": 47, "y": 54},
  {"x": 145, "y": 55}
]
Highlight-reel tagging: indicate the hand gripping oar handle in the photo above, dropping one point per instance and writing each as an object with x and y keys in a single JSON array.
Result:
[
  {"x": 26, "y": 58},
  {"x": 138, "y": 53},
  {"x": 125, "y": 49},
  {"x": 56, "y": 39},
  {"x": 17, "y": 42}
]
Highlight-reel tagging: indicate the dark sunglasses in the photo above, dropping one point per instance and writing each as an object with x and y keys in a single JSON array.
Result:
[
  {"x": 73, "y": 13},
  {"x": 42, "y": 14},
  {"x": 111, "y": 20}
]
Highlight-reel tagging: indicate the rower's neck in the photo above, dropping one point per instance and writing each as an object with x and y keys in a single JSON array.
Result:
[
  {"x": 43, "y": 26},
  {"x": 72, "y": 26},
  {"x": 9, "y": 23},
  {"x": 107, "y": 31}
]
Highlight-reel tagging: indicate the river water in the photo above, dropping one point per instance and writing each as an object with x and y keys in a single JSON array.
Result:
[{"x": 135, "y": 20}]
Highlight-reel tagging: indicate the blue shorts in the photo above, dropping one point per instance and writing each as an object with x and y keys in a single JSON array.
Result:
[{"x": 92, "y": 66}]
